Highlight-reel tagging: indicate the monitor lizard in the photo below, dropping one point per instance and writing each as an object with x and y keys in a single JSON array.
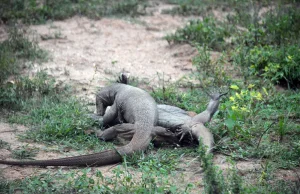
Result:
[{"x": 129, "y": 104}]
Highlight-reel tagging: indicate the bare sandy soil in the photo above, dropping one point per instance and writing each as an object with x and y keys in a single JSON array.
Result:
[{"x": 87, "y": 54}]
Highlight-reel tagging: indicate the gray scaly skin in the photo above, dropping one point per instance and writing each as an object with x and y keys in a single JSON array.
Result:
[
  {"x": 176, "y": 120},
  {"x": 129, "y": 104},
  {"x": 125, "y": 131}
]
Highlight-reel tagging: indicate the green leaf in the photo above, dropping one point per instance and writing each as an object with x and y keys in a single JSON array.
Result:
[{"x": 230, "y": 123}]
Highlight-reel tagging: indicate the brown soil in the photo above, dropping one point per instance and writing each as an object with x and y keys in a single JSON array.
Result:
[{"x": 88, "y": 53}]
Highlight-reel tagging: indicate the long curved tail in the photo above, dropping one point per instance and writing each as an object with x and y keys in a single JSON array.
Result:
[
  {"x": 98, "y": 159},
  {"x": 140, "y": 141}
]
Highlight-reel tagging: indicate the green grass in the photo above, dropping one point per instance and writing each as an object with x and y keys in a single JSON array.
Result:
[
  {"x": 60, "y": 121},
  {"x": 156, "y": 176},
  {"x": 253, "y": 126},
  {"x": 15, "y": 53},
  {"x": 24, "y": 152},
  {"x": 245, "y": 120},
  {"x": 196, "y": 7},
  {"x": 192, "y": 99},
  {"x": 15, "y": 50},
  {"x": 39, "y": 12},
  {"x": 121, "y": 181},
  {"x": 267, "y": 46},
  {"x": 254, "y": 121},
  {"x": 207, "y": 32},
  {"x": 3, "y": 144},
  {"x": 22, "y": 88},
  {"x": 277, "y": 64}
]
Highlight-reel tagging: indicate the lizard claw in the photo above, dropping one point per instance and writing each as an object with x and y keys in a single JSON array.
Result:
[{"x": 183, "y": 131}]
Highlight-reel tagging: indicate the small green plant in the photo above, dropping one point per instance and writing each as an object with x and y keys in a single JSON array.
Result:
[
  {"x": 282, "y": 26},
  {"x": 278, "y": 64},
  {"x": 245, "y": 100},
  {"x": 214, "y": 180},
  {"x": 59, "y": 121},
  {"x": 270, "y": 45},
  {"x": 15, "y": 93},
  {"x": 207, "y": 32},
  {"x": 3, "y": 144},
  {"x": 24, "y": 152},
  {"x": 209, "y": 71},
  {"x": 15, "y": 50},
  {"x": 244, "y": 13},
  {"x": 251, "y": 121},
  {"x": 193, "y": 99},
  {"x": 185, "y": 9},
  {"x": 282, "y": 127},
  {"x": 21, "y": 46},
  {"x": 88, "y": 181},
  {"x": 195, "y": 7},
  {"x": 234, "y": 180}
]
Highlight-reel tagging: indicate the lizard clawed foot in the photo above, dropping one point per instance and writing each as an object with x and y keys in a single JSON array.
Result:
[
  {"x": 100, "y": 135},
  {"x": 183, "y": 131}
]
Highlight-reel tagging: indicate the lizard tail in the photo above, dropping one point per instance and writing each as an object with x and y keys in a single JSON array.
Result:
[
  {"x": 97, "y": 159},
  {"x": 139, "y": 142}
]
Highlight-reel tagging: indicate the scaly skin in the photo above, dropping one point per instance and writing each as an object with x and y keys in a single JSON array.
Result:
[{"x": 177, "y": 121}]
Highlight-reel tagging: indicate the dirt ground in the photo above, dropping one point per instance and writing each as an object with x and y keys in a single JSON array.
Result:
[{"x": 87, "y": 54}]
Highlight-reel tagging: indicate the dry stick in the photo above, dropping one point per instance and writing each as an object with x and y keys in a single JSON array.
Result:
[
  {"x": 8, "y": 131},
  {"x": 263, "y": 134}
]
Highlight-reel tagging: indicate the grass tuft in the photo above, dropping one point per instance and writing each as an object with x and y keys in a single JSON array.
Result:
[
  {"x": 25, "y": 152},
  {"x": 207, "y": 32},
  {"x": 15, "y": 51},
  {"x": 39, "y": 12}
]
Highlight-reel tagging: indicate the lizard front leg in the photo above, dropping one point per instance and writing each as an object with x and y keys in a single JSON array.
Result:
[
  {"x": 183, "y": 130},
  {"x": 110, "y": 115},
  {"x": 100, "y": 105}
]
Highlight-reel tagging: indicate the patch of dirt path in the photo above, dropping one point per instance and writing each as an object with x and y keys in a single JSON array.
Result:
[{"x": 87, "y": 53}]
